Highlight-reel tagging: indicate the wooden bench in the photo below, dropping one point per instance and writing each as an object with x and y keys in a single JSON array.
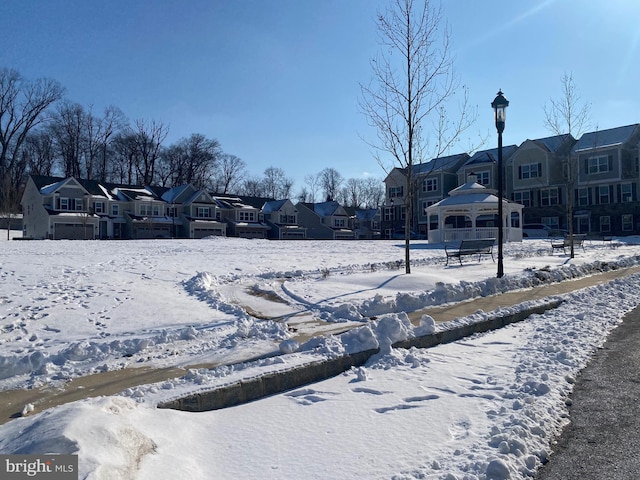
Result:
[
  {"x": 480, "y": 247},
  {"x": 578, "y": 241}
]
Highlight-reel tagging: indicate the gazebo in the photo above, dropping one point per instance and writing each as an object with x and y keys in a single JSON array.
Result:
[{"x": 471, "y": 212}]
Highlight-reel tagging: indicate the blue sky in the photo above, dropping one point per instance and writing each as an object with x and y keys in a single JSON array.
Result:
[{"x": 276, "y": 82}]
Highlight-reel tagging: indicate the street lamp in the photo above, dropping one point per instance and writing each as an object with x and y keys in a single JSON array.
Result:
[{"x": 499, "y": 106}]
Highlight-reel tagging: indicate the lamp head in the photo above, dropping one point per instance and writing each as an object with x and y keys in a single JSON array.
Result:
[{"x": 499, "y": 106}]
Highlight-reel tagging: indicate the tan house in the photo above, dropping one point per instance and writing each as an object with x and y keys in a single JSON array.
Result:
[
  {"x": 193, "y": 212},
  {"x": 243, "y": 220},
  {"x": 535, "y": 176},
  {"x": 59, "y": 208},
  {"x": 282, "y": 218},
  {"x": 325, "y": 221}
]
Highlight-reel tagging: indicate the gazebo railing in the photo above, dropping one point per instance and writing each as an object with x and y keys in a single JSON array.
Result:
[{"x": 458, "y": 234}]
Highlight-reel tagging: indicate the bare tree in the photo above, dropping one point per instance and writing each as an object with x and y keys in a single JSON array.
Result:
[
  {"x": 191, "y": 160},
  {"x": 9, "y": 202},
  {"x": 39, "y": 152},
  {"x": 229, "y": 174},
  {"x": 22, "y": 107},
  {"x": 312, "y": 181},
  {"x": 253, "y": 187},
  {"x": 373, "y": 192},
  {"x": 124, "y": 157},
  {"x": 101, "y": 132},
  {"x": 147, "y": 138},
  {"x": 331, "y": 181},
  {"x": 413, "y": 80},
  {"x": 568, "y": 115},
  {"x": 353, "y": 193},
  {"x": 68, "y": 129},
  {"x": 276, "y": 184}
]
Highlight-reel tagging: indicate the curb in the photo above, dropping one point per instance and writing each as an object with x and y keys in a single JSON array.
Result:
[{"x": 273, "y": 383}]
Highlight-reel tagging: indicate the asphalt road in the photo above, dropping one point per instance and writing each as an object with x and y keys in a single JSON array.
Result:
[{"x": 603, "y": 439}]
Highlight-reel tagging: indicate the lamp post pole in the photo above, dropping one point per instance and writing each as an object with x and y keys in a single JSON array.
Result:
[{"x": 499, "y": 105}]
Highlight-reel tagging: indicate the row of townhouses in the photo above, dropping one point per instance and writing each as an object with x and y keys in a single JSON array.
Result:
[
  {"x": 68, "y": 208},
  {"x": 598, "y": 174}
]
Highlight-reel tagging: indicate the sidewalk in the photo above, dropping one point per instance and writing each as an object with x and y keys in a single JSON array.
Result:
[
  {"x": 603, "y": 439},
  {"x": 110, "y": 383},
  {"x": 489, "y": 304}
]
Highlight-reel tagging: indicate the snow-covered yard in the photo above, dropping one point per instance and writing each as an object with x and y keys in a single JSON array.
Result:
[{"x": 484, "y": 407}]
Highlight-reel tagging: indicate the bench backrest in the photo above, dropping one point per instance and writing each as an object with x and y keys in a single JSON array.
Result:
[
  {"x": 481, "y": 244},
  {"x": 577, "y": 239}
]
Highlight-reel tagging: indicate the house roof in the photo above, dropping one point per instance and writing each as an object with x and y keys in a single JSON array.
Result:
[
  {"x": 326, "y": 209},
  {"x": 139, "y": 194},
  {"x": 366, "y": 214},
  {"x": 491, "y": 155},
  {"x": 612, "y": 137},
  {"x": 553, "y": 144},
  {"x": 273, "y": 206},
  {"x": 440, "y": 164},
  {"x": 48, "y": 184},
  {"x": 173, "y": 193}
]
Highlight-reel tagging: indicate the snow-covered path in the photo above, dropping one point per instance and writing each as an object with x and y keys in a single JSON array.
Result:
[{"x": 490, "y": 403}]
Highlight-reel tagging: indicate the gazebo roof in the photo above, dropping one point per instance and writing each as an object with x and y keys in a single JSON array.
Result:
[
  {"x": 473, "y": 195},
  {"x": 470, "y": 198},
  {"x": 471, "y": 188}
]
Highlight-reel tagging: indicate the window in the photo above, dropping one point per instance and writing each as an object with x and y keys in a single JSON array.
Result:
[
  {"x": 600, "y": 164},
  {"x": 339, "y": 222},
  {"x": 626, "y": 192},
  {"x": 583, "y": 197},
  {"x": 549, "y": 197},
  {"x": 203, "y": 212},
  {"x": 531, "y": 170},
  {"x": 115, "y": 210},
  {"x": 147, "y": 210},
  {"x": 605, "y": 224},
  {"x": 483, "y": 178},
  {"x": 172, "y": 212},
  {"x": 388, "y": 214},
  {"x": 98, "y": 207},
  {"x": 603, "y": 194},
  {"x": 524, "y": 198},
  {"x": 71, "y": 204},
  {"x": 247, "y": 216},
  {"x": 396, "y": 191},
  {"x": 627, "y": 223},
  {"x": 430, "y": 185},
  {"x": 287, "y": 219}
]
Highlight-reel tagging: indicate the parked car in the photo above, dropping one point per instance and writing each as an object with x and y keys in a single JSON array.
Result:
[
  {"x": 399, "y": 235},
  {"x": 540, "y": 230},
  {"x": 535, "y": 230}
]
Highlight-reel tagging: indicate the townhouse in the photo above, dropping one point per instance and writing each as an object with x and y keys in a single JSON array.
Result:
[
  {"x": 593, "y": 180},
  {"x": 67, "y": 208}
]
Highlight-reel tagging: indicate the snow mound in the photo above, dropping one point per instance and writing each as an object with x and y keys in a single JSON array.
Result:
[{"x": 113, "y": 451}]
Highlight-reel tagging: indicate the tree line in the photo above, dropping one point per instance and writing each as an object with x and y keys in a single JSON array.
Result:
[{"x": 44, "y": 133}]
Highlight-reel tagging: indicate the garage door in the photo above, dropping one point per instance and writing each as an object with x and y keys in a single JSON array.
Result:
[
  {"x": 207, "y": 232},
  {"x": 72, "y": 231}
]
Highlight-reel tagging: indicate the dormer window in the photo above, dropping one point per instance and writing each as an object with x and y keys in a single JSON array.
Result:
[
  {"x": 203, "y": 212},
  {"x": 70, "y": 204},
  {"x": 247, "y": 216}
]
